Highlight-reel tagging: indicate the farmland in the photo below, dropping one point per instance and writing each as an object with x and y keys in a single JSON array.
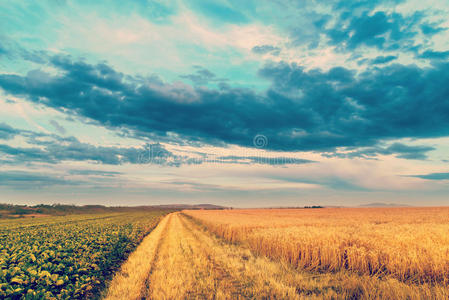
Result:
[
  {"x": 323, "y": 253},
  {"x": 247, "y": 254},
  {"x": 67, "y": 257},
  {"x": 402, "y": 251}
]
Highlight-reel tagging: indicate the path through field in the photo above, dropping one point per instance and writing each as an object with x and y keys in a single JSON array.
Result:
[{"x": 179, "y": 260}]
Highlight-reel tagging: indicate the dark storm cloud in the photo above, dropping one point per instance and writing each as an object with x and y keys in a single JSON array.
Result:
[
  {"x": 23, "y": 155},
  {"x": 353, "y": 26},
  {"x": 381, "y": 103},
  {"x": 53, "y": 149},
  {"x": 54, "y": 152},
  {"x": 408, "y": 152},
  {"x": 433, "y": 176},
  {"x": 159, "y": 155},
  {"x": 303, "y": 109},
  {"x": 398, "y": 149},
  {"x": 381, "y": 30}
]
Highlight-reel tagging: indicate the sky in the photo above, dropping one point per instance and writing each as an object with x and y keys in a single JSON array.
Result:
[{"x": 237, "y": 103}]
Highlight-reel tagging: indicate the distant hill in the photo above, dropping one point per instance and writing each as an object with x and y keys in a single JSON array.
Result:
[
  {"x": 190, "y": 206},
  {"x": 380, "y": 204},
  {"x": 18, "y": 211},
  {"x": 295, "y": 207}
]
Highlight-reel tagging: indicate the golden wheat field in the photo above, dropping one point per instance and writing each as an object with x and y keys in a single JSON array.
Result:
[
  {"x": 394, "y": 253},
  {"x": 402, "y": 250}
]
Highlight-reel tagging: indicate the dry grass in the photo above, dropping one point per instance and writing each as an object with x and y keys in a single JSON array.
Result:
[
  {"x": 181, "y": 259},
  {"x": 130, "y": 282},
  {"x": 407, "y": 244}
]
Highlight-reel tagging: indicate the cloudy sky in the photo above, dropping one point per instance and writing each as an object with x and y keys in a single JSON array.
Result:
[{"x": 241, "y": 103}]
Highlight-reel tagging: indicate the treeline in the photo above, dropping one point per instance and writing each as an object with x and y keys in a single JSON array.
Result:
[
  {"x": 12, "y": 210},
  {"x": 18, "y": 211}
]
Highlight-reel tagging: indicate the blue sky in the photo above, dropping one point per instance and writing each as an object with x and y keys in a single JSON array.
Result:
[{"x": 241, "y": 103}]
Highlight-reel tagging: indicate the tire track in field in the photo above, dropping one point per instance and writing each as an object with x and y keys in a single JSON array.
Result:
[
  {"x": 130, "y": 282},
  {"x": 254, "y": 277},
  {"x": 226, "y": 282},
  {"x": 145, "y": 291},
  {"x": 182, "y": 260},
  {"x": 193, "y": 264},
  {"x": 186, "y": 270}
]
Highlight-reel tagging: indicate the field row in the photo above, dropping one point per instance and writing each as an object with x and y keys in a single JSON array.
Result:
[{"x": 67, "y": 257}]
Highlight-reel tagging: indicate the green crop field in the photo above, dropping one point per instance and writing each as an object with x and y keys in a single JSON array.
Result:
[{"x": 67, "y": 257}]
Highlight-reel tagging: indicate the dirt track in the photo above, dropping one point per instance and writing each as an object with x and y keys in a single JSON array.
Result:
[{"x": 180, "y": 260}]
